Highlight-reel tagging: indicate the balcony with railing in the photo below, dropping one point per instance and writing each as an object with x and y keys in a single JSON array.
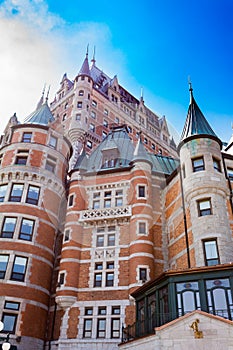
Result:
[{"x": 106, "y": 213}]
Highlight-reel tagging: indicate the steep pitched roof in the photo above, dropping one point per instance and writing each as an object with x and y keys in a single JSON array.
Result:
[
  {"x": 42, "y": 115},
  {"x": 85, "y": 70},
  {"x": 196, "y": 124}
]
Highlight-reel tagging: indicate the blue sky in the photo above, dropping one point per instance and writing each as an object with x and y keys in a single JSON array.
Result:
[{"x": 152, "y": 44}]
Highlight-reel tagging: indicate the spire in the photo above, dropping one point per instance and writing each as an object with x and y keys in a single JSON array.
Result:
[
  {"x": 41, "y": 101},
  {"x": 196, "y": 123},
  {"x": 140, "y": 153},
  {"x": 85, "y": 70},
  {"x": 93, "y": 58}
]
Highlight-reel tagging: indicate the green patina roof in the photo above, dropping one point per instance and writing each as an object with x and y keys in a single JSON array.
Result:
[
  {"x": 42, "y": 115},
  {"x": 196, "y": 123},
  {"x": 119, "y": 141}
]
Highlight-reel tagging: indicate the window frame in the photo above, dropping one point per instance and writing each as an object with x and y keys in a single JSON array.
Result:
[
  {"x": 197, "y": 168},
  {"x": 204, "y": 211},
  {"x": 26, "y": 139},
  {"x": 31, "y": 200},
  {"x": 25, "y": 234},
  {"x": 16, "y": 198},
  {"x": 3, "y": 272},
  {"x": 5, "y": 233},
  {"x": 2, "y": 197},
  {"x": 207, "y": 259},
  {"x": 22, "y": 275}
]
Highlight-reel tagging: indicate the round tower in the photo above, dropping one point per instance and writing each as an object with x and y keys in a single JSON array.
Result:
[
  {"x": 141, "y": 255},
  {"x": 32, "y": 186},
  {"x": 205, "y": 191}
]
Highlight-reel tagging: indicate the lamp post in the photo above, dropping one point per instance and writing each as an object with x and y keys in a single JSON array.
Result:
[{"x": 6, "y": 345}]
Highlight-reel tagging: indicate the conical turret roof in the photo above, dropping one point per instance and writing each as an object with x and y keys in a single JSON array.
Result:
[
  {"x": 140, "y": 153},
  {"x": 42, "y": 115},
  {"x": 85, "y": 70},
  {"x": 196, "y": 123}
]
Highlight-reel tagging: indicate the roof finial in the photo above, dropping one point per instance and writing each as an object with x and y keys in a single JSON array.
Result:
[
  {"x": 93, "y": 59},
  {"x": 190, "y": 88},
  {"x": 141, "y": 97},
  {"x": 47, "y": 97},
  {"x": 41, "y": 101},
  {"x": 87, "y": 50}
]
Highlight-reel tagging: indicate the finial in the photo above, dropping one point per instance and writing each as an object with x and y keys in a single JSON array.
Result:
[
  {"x": 141, "y": 97},
  {"x": 190, "y": 88},
  {"x": 87, "y": 50},
  {"x": 93, "y": 59},
  {"x": 41, "y": 101},
  {"x": 47, "y": 97}
]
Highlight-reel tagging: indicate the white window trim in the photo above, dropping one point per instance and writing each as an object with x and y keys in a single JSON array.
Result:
[
  {"x": 146, "y": 225},
  {"x": 146, "y": 192},
  {"x": 138, "y": 273}
]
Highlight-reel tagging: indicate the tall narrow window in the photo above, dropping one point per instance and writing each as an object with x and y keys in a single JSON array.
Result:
[
  {"x": 16, "y": 193},
  {"x": 217, "y": 165},
  {"x": 142, "y": 274},
  {"x": 204, "y": 207},
  {"x": 53, "y": 142},
  {"x": 33, "y": 195},
  {"x": 87, "y": 330},
  {"x": 101, "y": 328},
  {"x": 198, "y": 164},
  {"x": 141, "y": 191},
  {"x": 26, "y": 229},
  {"x": 3, "y": 189},
  {"x": 211, "y": 252},
  {"x": 142, "y": 228},
  {"x": 9, "y": 316},
  {"x": 19, "y": 269},
  {"x": 109, "y": 279},
  {"x": 3, "y": 265},
  {"x": 98, "y": 280},
  {"x": 8, "y": 227}
]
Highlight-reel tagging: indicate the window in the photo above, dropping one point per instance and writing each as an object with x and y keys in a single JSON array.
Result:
[
  {"x": 111, "y": 239},
  {"x": 9, "y": 316},
  {"x": 211, "y": 252},
  {"x": 102, "y": 310},
  {"x": 64, "y": 117},
  {"x": 1, "y": 156},
  {"x": 142, "y": 274},
  {"x": 105, "y": 111},
  {"x": 94, "y": 103},
  {"x": 115, "y": 328},
  {"x": 153, "y": 146},
  {"x": 104, "y": 134},
  {"x": 141, "y": 191},
  {"x": 53, "y": 142},
  {"x": 71, "y": 200},
  {"x": 89, "y": 144},
  {"x": 78, "y": 116},
  {"x": 145, "y": 141},
  {"x": 81, "y": 93},
  {"x": 79, "y": 104},
  {"x": 61, "y": 279},
  {"x": 217, "y": 165},
  {"x": 27, "y": 137},
  {"x": 219, "y": 297},
  {"x": 19, "y": 269},
  {"x": 98, "y": 280},
  {"x": 21, "y": 157},
  {"x": 198, "y": 164},
  {"x": 142, "y": 228},
  {"x": 8, "y": 227},
  {"x": 96, "y": 204},
  {"x": 101, "y": 328},
  {"x": 50, "y": 164},
  {"x": 99, "y": 266},
  {"x": 204, "y": 207},
  {"x": 66, "y": 235},
  {"x": 109, "y": 279},
  {"x": 230, "y": 173},
  {"x": 100, "y": 241},
  {"x": 105, "y": 123},
  {"x": 118, "y": 198},
  {"x": 92, "y": 127},
  {"x": 3, "y": 265},
  {"x": 26, "y": 229},
  {"x": 188, "y": 298},
  {"x": 87, "y": 330},
  {"x": 16, "y": 193},
  {"x": 33, "y": 195},
  {"x": 117, "y": 121},
  {"x": 93, "y": 114},
  {"x": 3, "y": 189}
]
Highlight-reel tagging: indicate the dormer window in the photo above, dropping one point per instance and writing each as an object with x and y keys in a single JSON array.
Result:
[{"x": 81, "y": 93}]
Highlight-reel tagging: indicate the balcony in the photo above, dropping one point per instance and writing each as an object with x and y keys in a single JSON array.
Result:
[{"x": 106, "y": 213}]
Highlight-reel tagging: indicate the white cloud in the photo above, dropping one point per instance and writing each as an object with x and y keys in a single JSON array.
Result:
[{"x": 37, "y": 47}]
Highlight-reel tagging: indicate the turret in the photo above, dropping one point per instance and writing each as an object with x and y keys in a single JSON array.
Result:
[{"x": 205, "y": 190}]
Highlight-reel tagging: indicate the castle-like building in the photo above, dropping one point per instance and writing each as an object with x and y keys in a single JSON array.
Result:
[{"x": 109, "y": 229}]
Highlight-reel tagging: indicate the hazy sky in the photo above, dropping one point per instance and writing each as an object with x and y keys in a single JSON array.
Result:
[{"x": 152, "y": 44}]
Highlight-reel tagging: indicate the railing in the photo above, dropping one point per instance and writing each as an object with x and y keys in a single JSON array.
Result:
[
  {"x": 99, "y": 214},
  {"x": 147, "y": 327}
]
